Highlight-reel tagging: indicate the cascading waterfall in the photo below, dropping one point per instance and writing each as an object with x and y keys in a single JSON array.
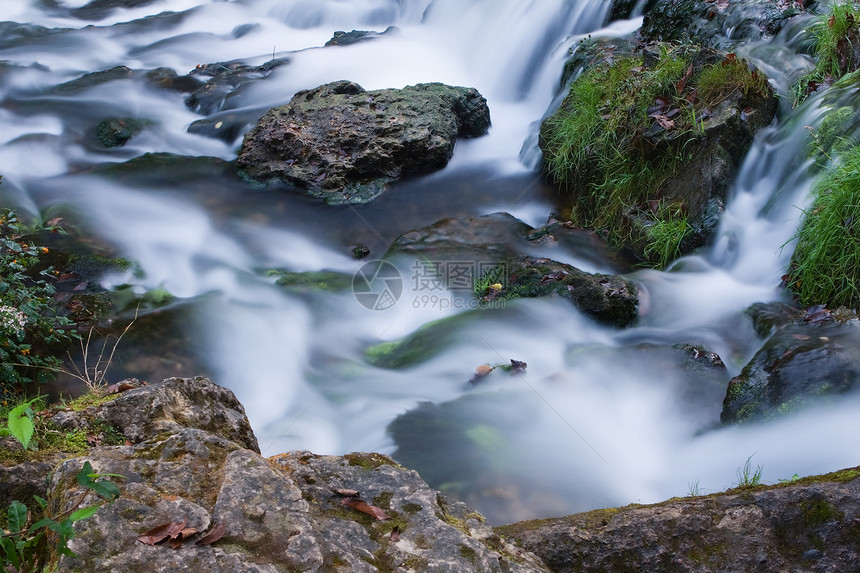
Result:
[{"x": 591, "y": 423}]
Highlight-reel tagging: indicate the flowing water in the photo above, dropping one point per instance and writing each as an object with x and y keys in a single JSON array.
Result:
[{"x": 600, "y": 417}]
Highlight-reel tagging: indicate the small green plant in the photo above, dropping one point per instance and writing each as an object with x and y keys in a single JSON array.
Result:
[
  {"x": 30, "y": 547},
  {"x": 837, "y": 37},
  {"x": 747, "y": 476},
  {"x": 792, "y": 479},
  {"x": 19, "y": 423},
  {"x": 825, "y": 266},
  {"x": 666, "y": 233},
  {"x": 693, "y": 488},
  {"x": 30, "y": 327}
]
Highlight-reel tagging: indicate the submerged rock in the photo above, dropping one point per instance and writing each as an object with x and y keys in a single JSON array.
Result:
[
  {"x": 224, "y": 87},
  {"x": 345, "y": 144},
  {"x": 341, "y": 38},
  {"x": 813, "y": 360}
]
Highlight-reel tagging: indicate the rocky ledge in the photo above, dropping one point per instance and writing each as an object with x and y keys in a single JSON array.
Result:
[{"x": 190, "y": 459}]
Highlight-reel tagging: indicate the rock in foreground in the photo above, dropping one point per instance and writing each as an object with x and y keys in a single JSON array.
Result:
[
  {"x": 807, "y": 526},
  {"x": 344, "y": 144},
  {"x": 190, "y": 456}
]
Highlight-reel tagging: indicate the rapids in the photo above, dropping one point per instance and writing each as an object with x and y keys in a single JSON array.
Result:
[{"x": 589, "y": 424}]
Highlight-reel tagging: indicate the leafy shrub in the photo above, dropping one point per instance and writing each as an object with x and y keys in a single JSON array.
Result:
[
  {"x": 29, "y": 547},
  {"x": 30, "y": 326}
]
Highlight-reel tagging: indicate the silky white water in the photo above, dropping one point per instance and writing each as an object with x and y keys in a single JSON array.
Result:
[{"x": 588, "y": 424}]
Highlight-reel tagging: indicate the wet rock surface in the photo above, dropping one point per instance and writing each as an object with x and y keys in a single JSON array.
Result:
[
  {"x": 814, "y": 359},
  {"x": 345, "y": 144},
  {"x": 609, "y": 299},
  {"x": 707, "y": 22}
]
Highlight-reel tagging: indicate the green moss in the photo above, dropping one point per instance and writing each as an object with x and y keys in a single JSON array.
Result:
[
  {"x": 819, "y": 512},
  {"x": 90, "y": 399},
  {"x": 825, "y": 266},
  {"x": 417, "y": 347},
  {"x": 368, "y": 461},
  {"x": 829, "y": 137},
  {"x": 469, "y": 554},
  {"x": 329, "y": 281},
  {"x": 383, "y": 500},
  {"x": 411, "y": 508}
]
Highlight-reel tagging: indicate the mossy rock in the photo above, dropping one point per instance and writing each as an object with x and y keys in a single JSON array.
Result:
[
  {"x": 650, "y": 137},
  {"x": 609, "y": 299},
  {"x": 799, "y": 366}
]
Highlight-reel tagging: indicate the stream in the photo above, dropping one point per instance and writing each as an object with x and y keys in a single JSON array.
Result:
[{"x": 601, "y": 417}]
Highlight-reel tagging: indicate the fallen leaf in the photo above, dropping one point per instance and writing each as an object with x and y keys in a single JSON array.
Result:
[
  {"x": 664, "y": 121},
  {"x": 182, "y": 537},
  {"x": 364, "y": 507},
  {"x": 347, "y": 492},
  {"x": 118, "y": 387},
  {"x": 682, "y": 83},
  {"x": 395, "y": 534},
  {"x": 161, "y": 532},
  {"x": 216, "y": 533}
]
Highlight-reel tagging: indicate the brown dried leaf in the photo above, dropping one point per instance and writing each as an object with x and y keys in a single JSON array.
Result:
[
  {"x": 682, "y": 83},
  {"x": 395, "y": 534},
  {"x": 347, "y": 492},
  {"x": 216, "y": 533},
  {"x": 664, "y": 121},
  {"x": 161, "y": 532},
  {"x": 364, "y": 507},
  {"x": 182, "y": 537}
]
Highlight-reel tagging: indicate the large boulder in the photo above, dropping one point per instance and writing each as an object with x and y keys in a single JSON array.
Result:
[
  {"x": 810, "y": 525},
  {"x": 345, "y": 144},
  {"x": 811, "y": 360},
  {"x": 189, "y": 457}
]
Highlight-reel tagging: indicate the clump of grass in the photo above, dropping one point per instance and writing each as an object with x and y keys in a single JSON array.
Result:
[
  {"x": 597, "y": 137},
  {"x": 747, "y": 476},
  {"x": 666, "y": 234},
  {"x": 837, "y": 47},
  {"x": 718, "y": 82},
  {"x": 825, "y": 266}
]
